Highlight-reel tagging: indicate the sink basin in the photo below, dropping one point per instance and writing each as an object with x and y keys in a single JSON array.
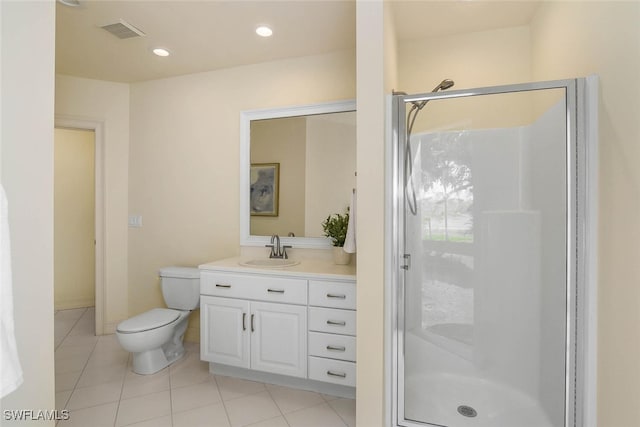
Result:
[{"x": 269, "y": 263}]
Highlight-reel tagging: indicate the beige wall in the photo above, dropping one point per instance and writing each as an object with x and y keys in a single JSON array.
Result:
[
  {"x": 74, "y": 218},
  {"x": 282, "y": 141},
  {"x": 478, "y": 59},
  {"x": 572, "y": 39},
  {"x": 108, "y": 103},
  {"x": 27, "y": 56},
  {"x": 471, "y": 60},
  {"x": 184, "y": 159},
  {"x": 375, "y": 76}
]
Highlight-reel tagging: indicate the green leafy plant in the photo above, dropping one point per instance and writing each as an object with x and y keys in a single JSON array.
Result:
[{"x": 335, "y": 227}]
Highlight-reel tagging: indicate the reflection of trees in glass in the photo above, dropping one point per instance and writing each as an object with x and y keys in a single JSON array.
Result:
[{"x": 447, "y": 188}]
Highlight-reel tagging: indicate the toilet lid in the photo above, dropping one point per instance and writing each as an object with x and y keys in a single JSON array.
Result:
[{"x": 151, "y": 319}]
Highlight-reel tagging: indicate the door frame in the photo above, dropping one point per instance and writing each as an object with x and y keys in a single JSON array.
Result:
[
  {"x": 68, "y": 122},
  {"x": 582, "y": 206}
]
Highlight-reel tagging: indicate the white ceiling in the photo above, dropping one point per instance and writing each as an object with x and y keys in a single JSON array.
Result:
[{"x": 212, "y": 34}]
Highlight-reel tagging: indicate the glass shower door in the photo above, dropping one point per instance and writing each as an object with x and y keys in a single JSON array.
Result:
[{"x": 485, "y": 208}]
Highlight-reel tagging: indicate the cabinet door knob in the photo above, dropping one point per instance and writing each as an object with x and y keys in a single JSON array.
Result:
[
  {"x": 338, "y": 296},
  {"x": 336, "y": 323},
  {"x": 336, "y": 348},
  {"x": 337, "y": 374}
]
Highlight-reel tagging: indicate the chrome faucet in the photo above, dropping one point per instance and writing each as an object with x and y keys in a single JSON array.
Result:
[{"x": 277, "y": 251}]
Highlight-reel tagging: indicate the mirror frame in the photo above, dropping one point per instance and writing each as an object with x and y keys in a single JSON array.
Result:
[{"x": 246, "y": 239}]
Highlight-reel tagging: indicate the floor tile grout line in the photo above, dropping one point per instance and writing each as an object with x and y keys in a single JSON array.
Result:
[
  {"x": 240, "y": 397},
  {"x": 70, "y": 329},
  {"x": 226, "y": 412},
  {"x": 275, "y": 401},
  {"x": 146, "y": 420},
  {"x": 115, "y": 419},
  {"x": 315, "y": 406},
  {"x": 75, "y": 387},
  {"x": 170, "y": 394},
  {"x": 84, "y": 367},
  {"x": 282, "y": 414},
  {"x": 338, "y": 414}
]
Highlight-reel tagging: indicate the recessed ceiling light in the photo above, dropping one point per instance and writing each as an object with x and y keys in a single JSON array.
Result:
[
  {"x": 161, "y": 52},
  {"x": 264, "y": 31}
]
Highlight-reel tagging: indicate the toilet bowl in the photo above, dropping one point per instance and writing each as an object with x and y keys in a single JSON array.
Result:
[{"x": 155, "y": 337}]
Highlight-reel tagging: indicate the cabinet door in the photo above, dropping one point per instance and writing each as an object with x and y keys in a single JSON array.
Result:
[
  {"x": 279, "y": 338},
  {"x": 224, "y": 331}
]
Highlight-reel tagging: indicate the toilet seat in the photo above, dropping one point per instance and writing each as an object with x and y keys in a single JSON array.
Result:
[{"x": 152, "y": 319}]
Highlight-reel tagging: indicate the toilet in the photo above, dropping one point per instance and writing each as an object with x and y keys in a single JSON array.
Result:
[{"x": 155, "y": 337}]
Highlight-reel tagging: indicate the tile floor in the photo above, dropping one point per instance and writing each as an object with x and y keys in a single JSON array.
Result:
[{"x": 95, "y": 383}]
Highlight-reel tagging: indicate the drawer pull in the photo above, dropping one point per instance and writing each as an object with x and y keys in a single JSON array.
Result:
[
  {"x": 337, "y": 374},
  {"x": 218, "y": 285},
  {"x": 252, "y": 324},
  {"x": 244, "y": 324},
  {"x": 276, "y": 291},
  {"x": 338, "y": 296},
  {"x": 336, "y": 322},
  {"x": 336, "y": 348}
]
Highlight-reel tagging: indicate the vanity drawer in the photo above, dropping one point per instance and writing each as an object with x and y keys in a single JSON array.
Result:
[
  {"x": 332, "y": 294},
  {"x": 254, "y": 287},
  {"x": 333, "y": 346},
  {"x": 332, "y": 320},
  {"x": 332, "y": 371}
]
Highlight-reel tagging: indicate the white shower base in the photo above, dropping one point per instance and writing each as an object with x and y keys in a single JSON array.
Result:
[
  {"x": 435, "y": 390},
  {"x": 435, "y": 399}
]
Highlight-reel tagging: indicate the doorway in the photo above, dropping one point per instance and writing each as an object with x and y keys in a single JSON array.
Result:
[
  {"x": 79, "y": 217},
  {"x": 74, "y": 218}
]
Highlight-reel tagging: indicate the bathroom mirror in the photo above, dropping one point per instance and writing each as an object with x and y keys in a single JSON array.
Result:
[{"x": 297, "y": 166}]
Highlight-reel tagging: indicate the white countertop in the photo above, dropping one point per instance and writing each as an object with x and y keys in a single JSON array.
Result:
[{"x": 306, "y": 268}]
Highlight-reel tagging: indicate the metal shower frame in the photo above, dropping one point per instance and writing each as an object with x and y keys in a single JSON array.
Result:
[{"x": 580, "y": 217}]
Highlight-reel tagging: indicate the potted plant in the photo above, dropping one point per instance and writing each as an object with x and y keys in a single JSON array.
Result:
[{"x": 335, "y": 228}]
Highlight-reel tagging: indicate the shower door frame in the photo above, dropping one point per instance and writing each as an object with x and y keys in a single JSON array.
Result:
[{"x": 581, "y": 155}]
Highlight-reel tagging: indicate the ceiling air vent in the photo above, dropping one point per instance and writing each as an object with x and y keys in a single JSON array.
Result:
[{"x": 123, "y": 30}]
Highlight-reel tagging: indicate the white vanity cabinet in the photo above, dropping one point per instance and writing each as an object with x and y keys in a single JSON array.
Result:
[
  {"x": 240, "y": 328},
  {"x": 332, "y": 332},
  {"x": 292, "y": 322}
]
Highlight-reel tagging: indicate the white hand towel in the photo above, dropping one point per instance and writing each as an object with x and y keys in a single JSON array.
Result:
[
  {"x": 350, "y": 241},
  {"x": 10, "y": 369}
]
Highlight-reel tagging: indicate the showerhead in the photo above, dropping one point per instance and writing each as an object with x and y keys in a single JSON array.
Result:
[{"x": 444, "y": 85}]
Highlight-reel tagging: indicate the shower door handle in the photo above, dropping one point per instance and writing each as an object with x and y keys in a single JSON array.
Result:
[{"x": 407, "y": 262}]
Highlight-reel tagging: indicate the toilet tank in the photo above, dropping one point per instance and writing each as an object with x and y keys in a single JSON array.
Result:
[{"x": 181, "y": 287}]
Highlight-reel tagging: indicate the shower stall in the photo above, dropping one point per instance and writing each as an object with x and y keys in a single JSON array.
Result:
[{"x": 492, "y": 195}]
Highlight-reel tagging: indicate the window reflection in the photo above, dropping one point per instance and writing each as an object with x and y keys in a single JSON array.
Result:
[{"x": 446, "y": 190}]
